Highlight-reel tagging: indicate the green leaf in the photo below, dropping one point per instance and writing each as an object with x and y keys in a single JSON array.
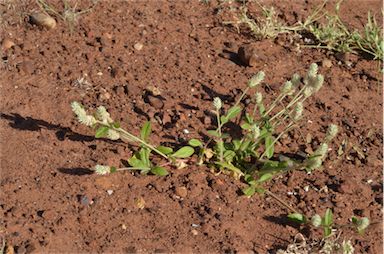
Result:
[
  {"x": 232, "y": 113},
  {"x": 101, "y": 132},
  {"x": 135, "y": 162},
  {"x": 328, "y": 218},
  {"x": 228, "y": 155},
  {"x": 116, "y": 125},
  {"x": 183, "y": 152},
  {"x": 195, "y": 143},
  {"x": 360, "y": 224},
  {"x": 297, "y": 217},
  {"x": 249, "y": 191},
  {"x": 165, "y": 150},
  {"x": 265, "y": 177},
  {"x": 144, "y": 156},
  {"x": 248, "y": 118},
  {"x": 273, "y": 166},
  {"x": 230, "y": 167},
  {"x": 269, "y": 146},
  {"x": 246, "y": 126},
  {"x": 244, "y": 145},
  {"x": 327, "y": 231},
  {"x": 236, "y": 144},
  {"x": 145, "y": 131},
  {"x": 113, "y": 170},
  {"x": 261, "y": 108},
  {"x": 213, "y": 133},
  {"x": 160, "y": 171}
]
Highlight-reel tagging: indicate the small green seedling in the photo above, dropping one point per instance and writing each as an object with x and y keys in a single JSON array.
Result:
[
  {"x": 326, "y": 222},
  {"x": 106, "y": 127}
]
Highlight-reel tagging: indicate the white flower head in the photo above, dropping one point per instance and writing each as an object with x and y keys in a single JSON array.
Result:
[
  {"x": 298, "y": 112},
  {"x": 295, "y": 80},
  {"x": 313, "y": 163},
  {"x": 256, "y": 79},
  {"x": 255, "y": 131},
  {"x": 331, "y": 132},
  {"x": 102, "y": 170},
  {"x": 318, "y": 82},
  {"x": 308, "y": 91},
  {"x": 287, "y": 88},
  {"x": 316, "y": 220},
  {"x": 258, "y": 97},
  {"x": 312, "y": 72},
  {"x": 322, "y": 150},
  {"x": 217, "y": 103},
  {"x": 103, "y": 115},
  {"x": 82, "y": 115},
  {"x": 113, "y": 135}
]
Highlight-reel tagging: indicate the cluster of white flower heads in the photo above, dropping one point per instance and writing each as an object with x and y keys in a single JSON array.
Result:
[{"x": 82, "y": 115}]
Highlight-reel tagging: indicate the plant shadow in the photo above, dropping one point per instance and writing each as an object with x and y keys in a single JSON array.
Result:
[
  {"x": 19, "y": 122},
  {"x": 76, "y": 171}
]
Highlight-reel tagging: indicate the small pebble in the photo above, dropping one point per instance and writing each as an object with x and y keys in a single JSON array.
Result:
[
  {"x": 248, "y": 55},
  {"x": 186, "y": 131},
  {"x": 7, "y": 44},
  {"x": 42, "y": 20},
  {"x": 194, "y": 232},
  {"x": 138, "y": 46},
  {"x": 110, "y": 192},
  {"x": 326, "y": 63},
  {"x": 181, "y": 191},
  {"x": 155, "y": 102}
]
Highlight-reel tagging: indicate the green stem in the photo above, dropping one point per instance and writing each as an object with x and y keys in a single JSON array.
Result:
[
  {"x": 242, "y": 96},
  {"x": 129, "y": 137},
  {"x": 278, "y": 99},
  {"x": 276, "y": 139},
  {"x": 132, "y": 168},
  {"x": 220, "y": 134}
]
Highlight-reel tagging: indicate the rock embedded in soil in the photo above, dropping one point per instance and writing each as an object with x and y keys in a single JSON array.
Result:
[
  {"x": 326, "y": 63},
  {"x": 138, "y": 46},
  {"x": 181, "y": 191},
  {"x": 248, "y": 55},
  {"x": 7, "y": 44},
  {"x": 155, "y": 102},
  {"x": 42, "y": 20}
]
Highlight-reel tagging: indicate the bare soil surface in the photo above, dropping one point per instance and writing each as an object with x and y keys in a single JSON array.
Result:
[{"x": 50, "y": 200}]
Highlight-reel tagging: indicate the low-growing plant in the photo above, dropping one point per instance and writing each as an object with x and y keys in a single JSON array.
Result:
[
  {"x": 141, "y": 160},
  {"x": 252, "y": 155},
  {"x": 329, "y": 31},
  {"x": 69, "y": 15},
  {"x": 327, "y": 224}
]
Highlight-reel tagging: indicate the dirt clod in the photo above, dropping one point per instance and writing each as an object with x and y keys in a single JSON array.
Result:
[
  {"x": 7, "y": 44},
  {"x": 249, "y": 55},
  {"x": 181, "y": 191}
]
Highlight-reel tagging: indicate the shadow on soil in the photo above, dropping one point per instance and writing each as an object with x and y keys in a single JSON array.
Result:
[
  {"x": 76, "y": 171},
  {"x": 19, "y": 122}
]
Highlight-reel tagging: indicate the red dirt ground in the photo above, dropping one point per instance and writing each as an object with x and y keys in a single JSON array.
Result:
[{"x": 51, "y": 203}]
